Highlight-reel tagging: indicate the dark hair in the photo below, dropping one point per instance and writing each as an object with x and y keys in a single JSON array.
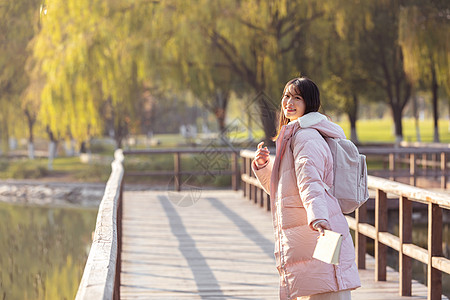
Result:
[{"x": 308, "y": 90}]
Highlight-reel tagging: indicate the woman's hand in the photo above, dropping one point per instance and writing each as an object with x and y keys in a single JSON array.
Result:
[
  {"x": 262, "y": 155},
  {"x": 321, "y": 226}
]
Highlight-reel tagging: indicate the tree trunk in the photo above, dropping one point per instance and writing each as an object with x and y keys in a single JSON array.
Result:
[
  {"x": 118, "y": 140},
  {"x": 51, "y": 148},
  {"x": 416, "y": 118},
  {"x": 31, "y": 122},
  {"x": 397, "y": 116},
  {"x": 434, "y": 90},
  {"x": 268, "y": 119},
  {"x": 220, "y": 109},
  {"x": 353, "y": 116},
  {"x": 31, "y": 150},
  {"x": 249, "y": 127},
  {"x": 51, "y": 154},
  {"x": 120, "y": 133},
  {"x": 4, "y": 138},
  {"x": 220, "y": 117}
]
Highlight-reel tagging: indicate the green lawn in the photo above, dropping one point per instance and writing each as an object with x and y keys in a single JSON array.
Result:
[
  {"x": 69, "y": 168},
  {"x": 382, "y": 130}
]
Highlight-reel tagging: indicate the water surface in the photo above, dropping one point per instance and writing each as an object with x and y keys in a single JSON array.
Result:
[{"x": 43, "y": 250}]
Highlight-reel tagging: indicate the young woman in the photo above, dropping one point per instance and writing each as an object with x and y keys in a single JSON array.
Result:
[{"x": 301, "y": 206}]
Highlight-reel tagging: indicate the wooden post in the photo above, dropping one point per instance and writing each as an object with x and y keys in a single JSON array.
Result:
[
  {"x": 425, "y": 164},
  {"x": 243, "y": 171},
  {"x": 249, "y": 173},
  {"x": 360, "y": 239},
  {"x": 434, "y": 161},
  {"x": 380, "y": 226},
  {"x": 392, "y": 166},
  {"x": 405, "y": 236},
  {"x": 119, "y": 243},
  {"x": 250, "y": 192},
  {"x": 267, "y": 203},
  {"x": 177, "y": 168},
  {"x": 261, "y": 197},
  {"x": 434, "y": 276},
  {"x": 443, "y": 170},
  {"x": 412, "y": 169},
  {"x": 235, "y": 171}
]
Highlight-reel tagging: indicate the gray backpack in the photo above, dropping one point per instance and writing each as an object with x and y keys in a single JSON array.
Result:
[{"x": 350, "y": 174}]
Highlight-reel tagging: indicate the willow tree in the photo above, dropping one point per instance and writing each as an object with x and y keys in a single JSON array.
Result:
[
  {"x": 187, "y": 61},
  {"x": 266, "y": 48},
  {"x": 425, "y": 39},
  {"x": 347, "y": 78},
  {"x": 257, "y": 42},
  {"x": 384, "y": 59},
  {"x": 18, "y": 23},
  {"x": 89, "y": 53}
]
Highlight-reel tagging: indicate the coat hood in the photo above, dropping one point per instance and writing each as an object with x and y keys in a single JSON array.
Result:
[{"x": 321, "y": 123}]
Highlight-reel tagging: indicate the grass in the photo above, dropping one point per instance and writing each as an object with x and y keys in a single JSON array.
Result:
[
  {"x": 382, "y": 130},
  {"x": 67, "y": 168}
]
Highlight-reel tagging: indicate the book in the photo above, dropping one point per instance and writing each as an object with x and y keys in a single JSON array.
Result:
[{"x": 328, "y": 247}]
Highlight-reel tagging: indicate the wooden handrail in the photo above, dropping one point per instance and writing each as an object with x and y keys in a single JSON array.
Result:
[
  {"x": 101, "y": 276},
  {"x": 412, "y": 192},
  {"x": 173, "y": 150},
  {"x": 206, "y": 163},
  {"x": 424, "y": 145},
  {"x": 403, "y": 150},
  {"x": 418, "y": 157},
  {"x": 407, "y": 194}
]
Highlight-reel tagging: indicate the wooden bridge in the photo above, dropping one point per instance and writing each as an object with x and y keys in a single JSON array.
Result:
[{"x": 215, "y": 244}]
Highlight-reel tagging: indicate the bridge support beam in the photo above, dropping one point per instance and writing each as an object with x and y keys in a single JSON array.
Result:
[
  {"x": 434, "y": 276},
  {"x": 405, "y": 235},
  {"x": 380, "y": 226}
]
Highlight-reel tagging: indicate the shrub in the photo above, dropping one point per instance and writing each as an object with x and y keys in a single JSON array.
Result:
[{"x": 28, "y": 170}]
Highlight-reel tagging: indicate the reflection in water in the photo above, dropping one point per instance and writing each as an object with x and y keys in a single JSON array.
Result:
[{"x": 43, "y": 250}]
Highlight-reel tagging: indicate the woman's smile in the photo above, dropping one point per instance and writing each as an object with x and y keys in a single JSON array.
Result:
[
  {"x": 290, "y": 109},
  {"x": 293, "y": 104}
]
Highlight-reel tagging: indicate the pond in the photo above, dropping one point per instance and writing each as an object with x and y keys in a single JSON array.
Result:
[{"x": 43, "y": 250}]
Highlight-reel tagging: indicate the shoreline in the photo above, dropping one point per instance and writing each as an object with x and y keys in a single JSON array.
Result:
[{"x": 62, "y": 193}]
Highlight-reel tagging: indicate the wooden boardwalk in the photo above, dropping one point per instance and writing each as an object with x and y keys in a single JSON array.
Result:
[{"x": 210, "y": 245}]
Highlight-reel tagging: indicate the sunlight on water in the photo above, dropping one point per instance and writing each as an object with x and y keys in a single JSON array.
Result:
[{"x": 43, "y": 250}]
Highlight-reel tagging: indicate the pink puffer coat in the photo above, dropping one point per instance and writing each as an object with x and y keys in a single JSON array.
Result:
[{"x": 298, "y": 197}]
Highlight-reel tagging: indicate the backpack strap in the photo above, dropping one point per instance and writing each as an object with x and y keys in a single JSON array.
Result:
[{"x": 291, "y": 146}]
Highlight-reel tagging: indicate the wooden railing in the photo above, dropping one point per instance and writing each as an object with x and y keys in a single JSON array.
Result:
[
  {"x": 432, "y": 257},
  {"x": 101, "y": 277},
  {"x": 207, "y": 162},
  {"x": 418, "y": 160}
]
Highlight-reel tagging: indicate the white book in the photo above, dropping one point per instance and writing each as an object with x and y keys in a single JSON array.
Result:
[{"x": 328, "y": 247}]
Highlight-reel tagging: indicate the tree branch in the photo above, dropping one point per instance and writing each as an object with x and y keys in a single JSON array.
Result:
[
  {"x": 300, "y": 23},
  {"x": 231, "y": 54},
  {"x": 250, "y": 25}
]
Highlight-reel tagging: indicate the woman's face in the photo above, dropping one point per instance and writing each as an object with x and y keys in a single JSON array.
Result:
[{"x": 293, "y": 104}]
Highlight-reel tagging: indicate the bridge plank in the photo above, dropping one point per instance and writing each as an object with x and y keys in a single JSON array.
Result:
[{"x": 220, "y": 248}]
